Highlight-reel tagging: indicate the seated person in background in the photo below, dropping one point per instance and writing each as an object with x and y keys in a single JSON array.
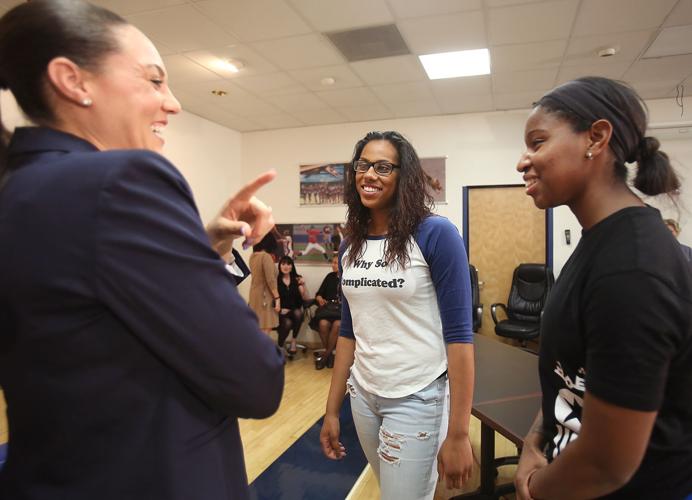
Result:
[
  {"x": 292, "y": 294},
  {"x": 327, "y": 318},
  {"x": 675, "y": 229}
]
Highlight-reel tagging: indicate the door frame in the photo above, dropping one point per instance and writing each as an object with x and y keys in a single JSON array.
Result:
[{"x": 465, "y": 220}]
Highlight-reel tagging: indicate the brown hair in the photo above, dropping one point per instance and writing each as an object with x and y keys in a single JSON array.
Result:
[{"x": 412, "y": 202}]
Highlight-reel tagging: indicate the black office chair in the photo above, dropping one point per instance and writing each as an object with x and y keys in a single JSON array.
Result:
[
  {"x": 531, "y": 284},
  {"x": 477, "y": 307}
]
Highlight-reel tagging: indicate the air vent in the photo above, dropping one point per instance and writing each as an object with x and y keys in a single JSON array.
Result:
[{"x": 369, "y": 43}]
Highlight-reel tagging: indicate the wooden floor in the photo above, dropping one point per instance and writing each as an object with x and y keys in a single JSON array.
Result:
[
  {"x": 3, "y": 420},
  {"x": 304, "y": 399}
]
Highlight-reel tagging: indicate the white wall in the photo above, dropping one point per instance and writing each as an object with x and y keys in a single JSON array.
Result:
[{"x": 481, "y": 149}]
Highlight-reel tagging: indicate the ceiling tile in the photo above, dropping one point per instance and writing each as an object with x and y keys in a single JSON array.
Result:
[
  {"x": 517, "y": 100},
  {"x": 127, "y": 7},
  {"x": 661, "y": 69},
  {"x": 237, "y": 100},
  {"x": 319, "y": 117},
  {"x": 583, "y": 51},
  {"x": 404, "y": 9},
  {"x": 282, "y": 120},
  {"x": 533, "y": 22},
  {"x": 460, "y": 95},
  {"x": 656, "y": 90},
  {"x": 451, "y": 32},
  {"x": 451, "y": 88},
  {"x": 212, "y": 59},
  {"x": 307, "y": 51},
  {"x": 681, "y": 14},
  {"x": 614, "y": 71},
  {"x": 400, "y": 92},
  {"x": 181, "y": 28},
  {"x": 230, "y": 120},
  {"x": 608, "y": 16},
  {"x": 505, "y": 3},
  {"x": 527, "y": 56},
  {"x": 293, "y": 103},
  {"x": 180, "y": 69},
  {"x": 357, "y": 97},
  {"x": 409, "y": 109},
  {"x": 390, "y": 70},
  {"x": 267, "y": 83},
  {"x": 252, "y": 20},
  {"x": 341, "y": 15},
  {"x": 342, "y": 74},
  {"x": 466, "y": 104},
  {"x": 671, "y": 41},
  {"x": 366, "y": 113},
  {"x": 519, "y": 81}
]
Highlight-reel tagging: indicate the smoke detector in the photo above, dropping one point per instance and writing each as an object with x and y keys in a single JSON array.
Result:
[{"x": 608, "y": 52}]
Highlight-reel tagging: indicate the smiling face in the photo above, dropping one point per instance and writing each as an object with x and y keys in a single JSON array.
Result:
[
  {"x": 554, "y": 166},
  {"x": 377, "y": 192},
  {"x": 286, "y": 267},
  {"x": 130, "y": 94}
]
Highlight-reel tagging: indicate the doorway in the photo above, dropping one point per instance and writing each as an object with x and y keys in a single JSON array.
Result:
[{"x": 502, "y": 229}]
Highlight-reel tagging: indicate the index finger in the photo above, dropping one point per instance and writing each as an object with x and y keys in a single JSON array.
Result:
[{"x": 249, "y": 189}]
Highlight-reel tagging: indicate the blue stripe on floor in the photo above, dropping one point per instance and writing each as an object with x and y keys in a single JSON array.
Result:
[{"x": 302, "y": 472}]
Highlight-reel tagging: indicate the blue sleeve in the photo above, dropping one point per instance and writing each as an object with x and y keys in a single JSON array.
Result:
[
  {"x": 443, "y": 249},
  {"x": 346, "y": 328},
  {"x": 157, "y": 272}
]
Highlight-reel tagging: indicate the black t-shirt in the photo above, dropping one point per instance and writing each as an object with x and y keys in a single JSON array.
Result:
[
  {"x": 329, "y": 289},
  {"x": 290, "y": 295},
  {"x": 618, "y": 323}
]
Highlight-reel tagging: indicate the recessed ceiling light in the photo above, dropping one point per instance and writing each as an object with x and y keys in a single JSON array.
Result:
[
  {"x": 455, "y": 64},
  {"x": 219, "y": 93},
  {"x": 327, "y": 81},
  {"x": 233, "y": 65}
]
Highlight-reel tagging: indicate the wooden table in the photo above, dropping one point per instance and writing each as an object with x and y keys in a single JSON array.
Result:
[{"x": 507, "y": 397}]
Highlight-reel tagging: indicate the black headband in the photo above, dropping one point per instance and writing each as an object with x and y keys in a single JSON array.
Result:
[{"x": 589, "y": 103}]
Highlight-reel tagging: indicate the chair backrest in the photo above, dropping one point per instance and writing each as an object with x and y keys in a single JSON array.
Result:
[
  {"x": 531, "y": 284},
  {"x": 475, "y": 297}
]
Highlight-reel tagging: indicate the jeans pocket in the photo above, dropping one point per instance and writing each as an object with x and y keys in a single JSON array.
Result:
[
  {"x": 433, "y": 393},
  {"x": 350, "y": 385}
]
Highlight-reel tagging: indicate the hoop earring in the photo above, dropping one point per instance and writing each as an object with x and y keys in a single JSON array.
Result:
[{"x": 86, "y": 102}]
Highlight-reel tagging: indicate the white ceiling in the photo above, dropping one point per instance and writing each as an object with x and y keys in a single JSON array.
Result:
[{"x": 533, "y": 44}]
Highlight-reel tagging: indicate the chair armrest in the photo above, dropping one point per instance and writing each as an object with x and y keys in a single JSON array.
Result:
[{"x": 493, "y": 309}]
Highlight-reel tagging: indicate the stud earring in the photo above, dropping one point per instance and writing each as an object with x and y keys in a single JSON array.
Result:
[
  {"x": 589, "y": 155},
  {"x": 86, "y": 102}
]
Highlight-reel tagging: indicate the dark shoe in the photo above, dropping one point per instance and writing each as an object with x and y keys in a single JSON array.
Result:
[
  {"x": 292, "y": 352},
  {"x": 320, "y": 362},
  {"x": 330, "y": 361}
]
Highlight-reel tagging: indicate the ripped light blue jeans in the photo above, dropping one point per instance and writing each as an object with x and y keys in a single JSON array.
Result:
[{"x": 401, "y": 437}]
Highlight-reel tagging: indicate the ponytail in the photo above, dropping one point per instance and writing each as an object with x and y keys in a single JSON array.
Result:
[{"x": 655, "y": 174}]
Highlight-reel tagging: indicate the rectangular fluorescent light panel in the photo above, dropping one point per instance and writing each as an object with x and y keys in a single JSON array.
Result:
[{"x": 455, "y": 64}]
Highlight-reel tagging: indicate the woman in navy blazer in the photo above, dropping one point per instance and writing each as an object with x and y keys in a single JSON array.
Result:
[{"x": 126, "y": 352}]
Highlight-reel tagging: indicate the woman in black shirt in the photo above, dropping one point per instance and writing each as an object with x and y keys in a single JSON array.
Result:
[
  {"x": 615, "y": 360},
  {"x": 292, "y": 293}
]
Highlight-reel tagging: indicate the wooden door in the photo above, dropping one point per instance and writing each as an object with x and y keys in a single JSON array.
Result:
[{"x": 504, "y": 230}]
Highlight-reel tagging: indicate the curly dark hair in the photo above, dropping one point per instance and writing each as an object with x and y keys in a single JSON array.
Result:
[{"x": 412, "y": 203}]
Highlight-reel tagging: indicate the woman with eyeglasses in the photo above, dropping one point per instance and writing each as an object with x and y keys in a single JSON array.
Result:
[{"x": 405, "y": 350}]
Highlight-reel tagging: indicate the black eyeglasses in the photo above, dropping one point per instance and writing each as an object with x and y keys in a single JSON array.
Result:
[{"x": 382, "y": 168}]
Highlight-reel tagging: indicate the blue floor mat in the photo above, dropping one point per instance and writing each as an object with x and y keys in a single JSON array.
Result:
[{"x": 303, "y": 473}]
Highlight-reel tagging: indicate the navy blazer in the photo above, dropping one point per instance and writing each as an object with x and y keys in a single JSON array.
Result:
[{"x": 126, "y": 352}]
